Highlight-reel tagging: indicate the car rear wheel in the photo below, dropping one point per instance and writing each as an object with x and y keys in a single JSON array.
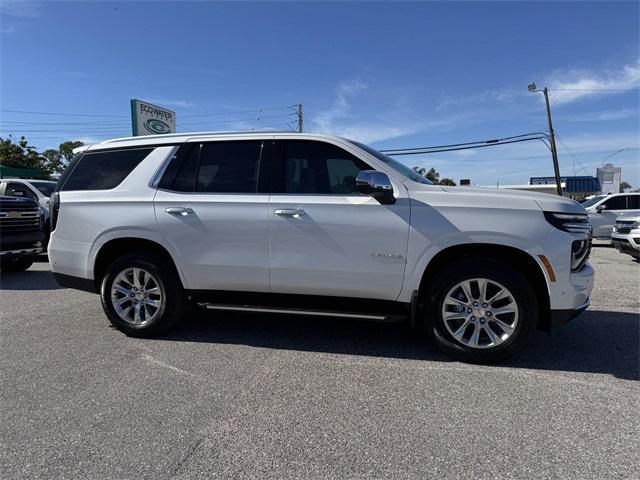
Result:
[
  {"x": 141, "y": 296},
  {"x": 480, "y": 310}
]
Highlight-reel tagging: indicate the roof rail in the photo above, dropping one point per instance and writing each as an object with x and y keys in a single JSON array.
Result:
[{"x": 193, "y": 134}]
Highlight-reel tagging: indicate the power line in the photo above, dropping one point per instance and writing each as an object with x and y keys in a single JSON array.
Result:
[
  {"x": 591, "y": 90},
  {"x": 62, "y": 114},
  {"x": 467, "y": 145},
  {"x": 264, "y": 109}
]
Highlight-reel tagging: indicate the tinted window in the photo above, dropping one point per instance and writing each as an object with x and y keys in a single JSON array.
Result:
[
  {"x": 633, "y": 202},
  {"x": 616, "y": 203},
  {"x": 104, "y": 170},
  {"x": 229, "y": 167},
  {"x": 396, "y": 165},
  {"x": 316, "y": 167},
  {"x": 19, "y": 190},
  {"x": 46, "y": 188},
  {"x": 187, "y": 165}
]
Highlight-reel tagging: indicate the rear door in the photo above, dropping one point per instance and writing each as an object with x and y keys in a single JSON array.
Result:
[
  {"x": 326, "y": 238},
  {"x": 209, "y": 208}
]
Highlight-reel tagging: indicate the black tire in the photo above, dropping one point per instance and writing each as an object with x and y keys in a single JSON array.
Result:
[
  {"x": 470, "y": 268},
  {"x": 16, "y": 264},
  {"x": 172, "y": 307}
]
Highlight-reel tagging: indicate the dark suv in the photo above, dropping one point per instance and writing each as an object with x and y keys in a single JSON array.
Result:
[{"x": 21, "y": 232}]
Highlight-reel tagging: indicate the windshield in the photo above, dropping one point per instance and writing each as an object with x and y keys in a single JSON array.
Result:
[
  {"x": 592, "y": 201},
  {"x": 401, "y": 168},
  {"x": 46, "y": 188}
]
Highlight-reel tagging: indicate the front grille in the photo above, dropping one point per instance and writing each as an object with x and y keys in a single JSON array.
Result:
[
  {"x": 623, "y": 226},
  {"x": 16, "y": 217}
]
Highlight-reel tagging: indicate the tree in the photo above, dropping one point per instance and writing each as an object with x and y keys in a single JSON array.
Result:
[
  {"x": 624, "y": 186},
  {"x": 448, "y": 182},
  {"x": 433, "y": 176},
  {"x": 19, "y": 154},
  {"x": 66, "y": 149},
  {"x": 22, "y": 155},
  {"x": 53, "y": 161}
]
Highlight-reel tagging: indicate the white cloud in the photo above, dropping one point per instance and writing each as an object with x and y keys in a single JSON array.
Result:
[
  {"x": 20, "y": 8},
  {"x": 604, "y": 116},
  {"x": 171, "y": 103},
  {"x": 340, "y": 120},
  {"x": 573, "y": 85},
  {"x": 497, "y": 95},
  {"x": 89, "y": 140}
]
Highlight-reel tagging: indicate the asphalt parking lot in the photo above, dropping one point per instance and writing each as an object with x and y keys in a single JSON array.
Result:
[{"x": 252, "y": 396}]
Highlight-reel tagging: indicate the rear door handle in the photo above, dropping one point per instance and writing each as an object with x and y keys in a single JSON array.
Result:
[
  {"x": 179, "y": 211},
  {"x": 290, "y": 212}
]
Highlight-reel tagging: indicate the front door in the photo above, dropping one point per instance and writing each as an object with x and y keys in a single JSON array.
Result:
[
  {"x": 208, "y": 208},
  {"x": 602, "y": 221},
  {"x": 326, "y": 238}
]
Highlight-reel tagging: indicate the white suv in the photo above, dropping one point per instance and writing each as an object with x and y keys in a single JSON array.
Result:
[{"x": 313, "y": 225}]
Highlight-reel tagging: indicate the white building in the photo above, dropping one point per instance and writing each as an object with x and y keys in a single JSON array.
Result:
[{"x": 609, "y": 177}]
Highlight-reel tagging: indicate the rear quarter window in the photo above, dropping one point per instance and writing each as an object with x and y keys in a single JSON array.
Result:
[{"x": 103, "y": 170}]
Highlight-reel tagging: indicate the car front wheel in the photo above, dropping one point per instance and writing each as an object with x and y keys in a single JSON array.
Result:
[{"x": 481, "y": 310}]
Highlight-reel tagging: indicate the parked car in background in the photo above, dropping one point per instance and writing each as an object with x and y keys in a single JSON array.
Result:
[
  {"x": 309, "y": 224},
  {"x": 626, "y": 235},
  {"x": 604, "y": 209},
  {"x": 37, "y": 190},
  {"x": 21, "y": 232}
]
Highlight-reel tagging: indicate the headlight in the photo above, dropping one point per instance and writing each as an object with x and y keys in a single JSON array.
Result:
[
  {"x": 569, "y": 222},
  {"x": 579, "y": 253}
]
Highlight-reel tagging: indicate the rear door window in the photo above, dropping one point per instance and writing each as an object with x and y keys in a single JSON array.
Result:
[
  {"x": 229, "y": 167},
  {"x": 104, "y": 170},
  {"x": 219, "y": 167},
  {"x": 633, "y": 202}
]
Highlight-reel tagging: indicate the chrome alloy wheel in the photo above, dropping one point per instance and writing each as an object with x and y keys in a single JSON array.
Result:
[
  {"x": 136, "y": 296},
  {"x": 480, "y": 313}
]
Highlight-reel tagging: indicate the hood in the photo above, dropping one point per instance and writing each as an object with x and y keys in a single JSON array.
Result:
[
  {"x": 629, "y": 217},
  {"x": 8, "y": 201},
  {"x": 545, "y": 201}
]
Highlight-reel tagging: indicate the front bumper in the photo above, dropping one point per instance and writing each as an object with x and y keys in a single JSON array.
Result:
[
  {"x": 562, "y": 317},
  {"x": 627, "y": 243}
]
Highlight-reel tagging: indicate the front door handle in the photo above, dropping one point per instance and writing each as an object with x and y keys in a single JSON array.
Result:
[
  {"x": 184, "y": 211},
  {"x": 290, "y": 212}
]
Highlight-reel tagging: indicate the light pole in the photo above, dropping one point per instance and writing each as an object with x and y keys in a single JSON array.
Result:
[{"x": 552, "y": 138}]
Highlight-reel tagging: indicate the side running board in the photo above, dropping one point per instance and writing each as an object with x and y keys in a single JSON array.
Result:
[{"x": 381, "y": 317}]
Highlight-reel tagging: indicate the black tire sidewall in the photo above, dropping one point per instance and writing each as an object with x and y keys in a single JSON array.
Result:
[
  {"x": 502, "y": 273},
  {"x": 169, "y": 286}
]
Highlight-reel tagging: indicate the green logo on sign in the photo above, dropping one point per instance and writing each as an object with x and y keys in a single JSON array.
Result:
[{"x": 156, "y": 126}]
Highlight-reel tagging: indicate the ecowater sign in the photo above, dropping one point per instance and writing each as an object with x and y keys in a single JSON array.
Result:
[{"x": 149, "y": 119}]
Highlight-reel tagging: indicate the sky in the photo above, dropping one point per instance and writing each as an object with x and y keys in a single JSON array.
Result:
[{"x": 391, "y": 74}]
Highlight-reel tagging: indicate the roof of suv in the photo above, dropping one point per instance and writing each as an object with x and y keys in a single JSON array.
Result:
[{"x": 173, "y": 138}]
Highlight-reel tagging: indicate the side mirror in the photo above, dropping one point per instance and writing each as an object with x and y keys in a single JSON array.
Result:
[
  {"x": 600, "y": 208},
  {"x": 376, "y": 184}
]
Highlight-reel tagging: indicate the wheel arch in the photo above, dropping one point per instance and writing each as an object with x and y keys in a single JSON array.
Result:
[
  {"x": 118, "y": 247},
  {"x": 519, "y": 259}
]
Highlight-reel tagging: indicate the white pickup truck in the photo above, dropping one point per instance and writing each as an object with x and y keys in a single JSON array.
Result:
[{"x": 313, "y": 225}]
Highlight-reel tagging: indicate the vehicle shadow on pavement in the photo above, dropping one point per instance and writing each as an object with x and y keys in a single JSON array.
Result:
[
  {"x": 596, "y": 342},
  {"x": 28, "y": 280}
]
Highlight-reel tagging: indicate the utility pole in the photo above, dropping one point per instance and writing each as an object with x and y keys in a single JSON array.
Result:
[
  {"x": 552, "y": 137},
  {"x": 299, "y": 117}
]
